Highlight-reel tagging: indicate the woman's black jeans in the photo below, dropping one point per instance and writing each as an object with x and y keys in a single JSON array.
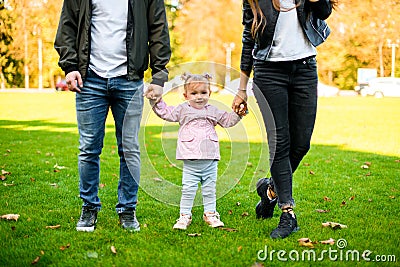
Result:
[{"x": 286, "y": 93}]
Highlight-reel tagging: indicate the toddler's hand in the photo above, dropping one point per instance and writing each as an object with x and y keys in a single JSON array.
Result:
[{"x": 153, "y": 93}]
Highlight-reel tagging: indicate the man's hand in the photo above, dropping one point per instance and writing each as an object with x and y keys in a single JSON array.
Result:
[
  {"x": 73, "y": 80},
  {"x": 154, "y": 93},
  {"x": 239, "y": 104}
]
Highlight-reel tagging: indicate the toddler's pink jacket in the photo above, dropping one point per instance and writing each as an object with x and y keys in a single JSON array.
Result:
[{"x": 197, "y": 138}]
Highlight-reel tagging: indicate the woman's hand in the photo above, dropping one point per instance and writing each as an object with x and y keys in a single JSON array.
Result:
[{"x": 239, "y": 104}]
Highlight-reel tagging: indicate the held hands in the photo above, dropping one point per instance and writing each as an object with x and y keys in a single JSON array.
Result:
[
  {"x": 239, "y": 104},
  {"x": 153, "y": 93},
  {"x": 74, "y": 81}
]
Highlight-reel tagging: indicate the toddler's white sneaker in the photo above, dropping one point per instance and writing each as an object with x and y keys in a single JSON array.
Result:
[
  {"x": 213, "y": 219},
  {"x": 183, "y": 222}
]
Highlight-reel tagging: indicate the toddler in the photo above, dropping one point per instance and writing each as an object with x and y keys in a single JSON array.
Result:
[{"x": 197, "y": 145}]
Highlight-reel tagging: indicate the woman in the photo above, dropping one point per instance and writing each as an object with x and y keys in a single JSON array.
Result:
[{"x": 279, "y": 40}]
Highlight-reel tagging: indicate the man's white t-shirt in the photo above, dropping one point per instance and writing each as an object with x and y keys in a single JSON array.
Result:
[{"x": 108, "y": 57}]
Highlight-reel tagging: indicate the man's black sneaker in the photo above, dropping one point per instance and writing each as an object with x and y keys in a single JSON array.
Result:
[
  {"x": 128, "y": 220},
  {"x": 287, "y": 225},
  {"x": 265, "y": 208},
  {"x": 88, "y": 219}
]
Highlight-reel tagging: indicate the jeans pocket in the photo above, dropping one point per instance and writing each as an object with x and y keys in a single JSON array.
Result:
[{"x": 311, "y": 63}]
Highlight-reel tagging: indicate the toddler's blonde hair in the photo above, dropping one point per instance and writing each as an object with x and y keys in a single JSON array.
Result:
[{"x": 193, "y": 80}]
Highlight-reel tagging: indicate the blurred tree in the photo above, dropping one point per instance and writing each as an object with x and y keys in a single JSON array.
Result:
[
  {"x": 360, "y": 30},
  {"x": 203, "y": 27},
  {"x": 10, "y": 62},
  {"x": 200, "y": 30},
  {"x": 37, "y": 24}
]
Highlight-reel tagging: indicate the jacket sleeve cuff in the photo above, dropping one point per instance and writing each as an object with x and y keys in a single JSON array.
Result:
[
  {"x": 160, "y": 78},
  {"x": 70, "y": 69}
]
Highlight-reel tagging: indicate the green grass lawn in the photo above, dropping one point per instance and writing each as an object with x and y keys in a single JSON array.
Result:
[{"x": 38, "y": 133}]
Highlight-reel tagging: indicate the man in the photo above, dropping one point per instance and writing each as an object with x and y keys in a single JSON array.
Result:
[{"x": 105, "y": 47}]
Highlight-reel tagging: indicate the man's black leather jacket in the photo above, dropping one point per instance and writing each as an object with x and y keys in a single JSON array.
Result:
[{"x": 147, "y": 38}]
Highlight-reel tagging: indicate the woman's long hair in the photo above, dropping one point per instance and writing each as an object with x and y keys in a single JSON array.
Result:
[{"x": 259, "y": 18}]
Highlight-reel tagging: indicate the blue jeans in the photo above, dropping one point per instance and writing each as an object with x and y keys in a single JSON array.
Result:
[
  {"x": 97, "y": 96},
  {"x": 290, "y": 90},
  {"x": 194, "y": 172}
]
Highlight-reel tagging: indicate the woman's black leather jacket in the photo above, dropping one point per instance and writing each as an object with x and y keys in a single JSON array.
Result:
[{"x": 311, "y": 16}]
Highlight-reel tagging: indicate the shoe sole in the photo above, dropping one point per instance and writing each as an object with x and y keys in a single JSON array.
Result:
[
  {"x": 132, "y": 229},
  {"x": 179, "y": 228},
  {"x": 294, "y": 231},
  {"x": 85, "y": 229},
  {"x": 265, "y": 204},
  {"x": 176, "y": 227},
  {"x": 216, "y": 226}
]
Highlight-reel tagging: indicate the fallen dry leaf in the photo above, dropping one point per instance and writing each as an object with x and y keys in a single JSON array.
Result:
[
  {"x": 230, "y": 212},
  {"x": 397, "y": 160},
  {"x": 35, "y": 260},
  {"x": 10, "y": 217},
  {"x": 368, "y": 174},
  {"x": 306, "y": 164},
  {"x": 157, "y": 179},
  {"x": 53, "y": 226},
  {"x": 65, "y": 247},
  {"x": 239, "y": 248},
  {"x": 58, "y": 167},
  {"x": 322, "y": 211},
  {"x": 244, "y": 214},
  {"x": 305, "y": 242},
  {"x": 92, "y": 254},
  {"x": 327, "y": 198},
  {"x": 2, "y": 177},
  {"x": 330, "y": 241},
  {"x": 3, "y": 172},
  {"x": 352, "y": 197},
  {"x": 229, "y": 229},
  {"x": 32, "y": 179},
  {"x": 54, "y": 185},
  {"x": 392, "y": 197},
  {"x": 102, "y": 185},
  {"x": 312, "y": 172},
  {"x": 343, "y": 203},
  {"x": 258, "y": 264},
  {"x": 56, "y": 170},
  {"x": 249, "y": 164},
  {"x": 334, "y": 225},
  {"x": 367, "y": 163},
  {"x": 194, "y": 234},
  {"x": 113, "y": 250}
]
